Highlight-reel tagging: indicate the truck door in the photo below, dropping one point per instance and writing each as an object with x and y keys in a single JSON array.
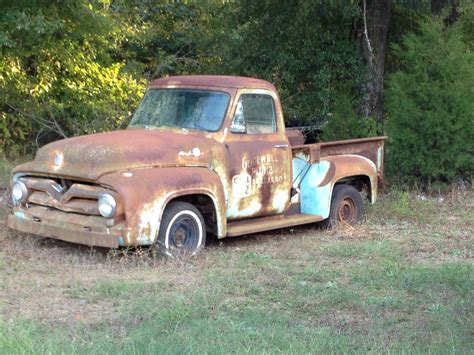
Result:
[{"x": 259, "y": 158}]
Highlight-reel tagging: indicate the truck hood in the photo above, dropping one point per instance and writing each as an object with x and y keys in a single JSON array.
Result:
[{"x": 91, "y": 156}]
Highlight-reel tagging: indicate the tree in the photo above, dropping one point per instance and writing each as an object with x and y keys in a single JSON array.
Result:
[
  {"x": 75, "y": 67},
  {"x": 345, "y": 123},
  {"x": 372, "y": 33},
  {"x": 438, "y": 6},
  {"x": 58, "y": 76},
  {"x": 430, "y": 104},
  {"x": 304, "y": 47},
  {"x": 170, "y": 37}
]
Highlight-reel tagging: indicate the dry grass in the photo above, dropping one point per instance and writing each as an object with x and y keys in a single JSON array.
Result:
[
  {"x": 45, "y": 278},
  {"x": 371, "y": 284}
]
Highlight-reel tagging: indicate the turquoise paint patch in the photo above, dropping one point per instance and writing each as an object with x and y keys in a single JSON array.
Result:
[
  {"x": 120, "y": 241},
  {"x": 299, "y": 167},
  {"x": 314, "y": 199},
  {"x": 20, "y": 214}
]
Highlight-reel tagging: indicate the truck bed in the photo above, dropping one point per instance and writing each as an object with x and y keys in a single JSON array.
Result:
[{"x": 370, "y": 148}]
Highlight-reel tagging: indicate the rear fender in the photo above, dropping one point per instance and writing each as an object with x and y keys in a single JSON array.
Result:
[
  {"x": 318, "y": 184},
  {"x": 144, "y": 194}
]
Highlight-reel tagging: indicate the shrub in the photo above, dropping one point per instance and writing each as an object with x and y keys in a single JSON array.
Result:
[
  {"x": 430, "y": 105},
  {"x": 344, "y": 123}
]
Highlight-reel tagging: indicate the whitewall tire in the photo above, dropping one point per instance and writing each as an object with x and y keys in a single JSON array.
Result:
[{"x": 182, "y": 229}]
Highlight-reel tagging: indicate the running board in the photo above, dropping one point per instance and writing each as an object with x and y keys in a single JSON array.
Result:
[{"x": 255, "y": 225}]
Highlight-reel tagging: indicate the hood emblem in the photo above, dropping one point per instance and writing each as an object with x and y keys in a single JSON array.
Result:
[
  {"x": 58, "y": 159},
  {"x": 195, "y": 152}
]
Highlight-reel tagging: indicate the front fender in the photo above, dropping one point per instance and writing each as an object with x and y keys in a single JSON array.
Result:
[{"x": 144, "y": 194}]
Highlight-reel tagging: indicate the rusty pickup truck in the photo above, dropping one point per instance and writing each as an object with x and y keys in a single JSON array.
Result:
[{"x": 202, "y": 154}]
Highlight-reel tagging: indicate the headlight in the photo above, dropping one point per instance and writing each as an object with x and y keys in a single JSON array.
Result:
[
  {"x": 19, "y": 193},
  {"x": 107, "y": 205}
]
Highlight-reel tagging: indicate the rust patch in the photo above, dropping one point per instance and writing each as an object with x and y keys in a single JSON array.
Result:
[
  {"x": 65, "y": 226},
  {"x": 330, "y": 174},
  {"x": 220, "y": 81},
  {"x": 245, "y": 175}
]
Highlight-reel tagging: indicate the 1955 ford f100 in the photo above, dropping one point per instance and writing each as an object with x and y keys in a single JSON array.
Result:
[{"x": 202, "y": 154}]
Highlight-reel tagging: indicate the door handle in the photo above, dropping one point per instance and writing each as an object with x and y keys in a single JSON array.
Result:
[{"x": 281, "y": 146}]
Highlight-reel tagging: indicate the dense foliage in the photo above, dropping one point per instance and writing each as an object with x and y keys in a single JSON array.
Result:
[
  {"x": 58, "y": 74},
  {"x": 81, "y": 66},
  {"x": 304, "y": 47},
  {"x": 430, "y": 105},
  {"x": 346, "y": 123}
]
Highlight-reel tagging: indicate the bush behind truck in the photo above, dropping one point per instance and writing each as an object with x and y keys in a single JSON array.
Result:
[{"x": 202, "y": 154}]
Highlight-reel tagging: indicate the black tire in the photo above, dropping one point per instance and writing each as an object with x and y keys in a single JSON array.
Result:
[
  {"x": 347, "y": 207},
  {"x": 182, "y": 230}
]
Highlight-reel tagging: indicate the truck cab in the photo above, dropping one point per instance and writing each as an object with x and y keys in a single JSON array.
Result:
[{"x": 202, "y": 154}]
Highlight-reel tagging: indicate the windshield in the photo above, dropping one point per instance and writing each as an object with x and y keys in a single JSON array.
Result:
[{"x": 183, "y": 108}]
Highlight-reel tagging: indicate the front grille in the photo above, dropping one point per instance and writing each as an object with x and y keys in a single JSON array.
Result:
[{"x": 64, "y": 195}]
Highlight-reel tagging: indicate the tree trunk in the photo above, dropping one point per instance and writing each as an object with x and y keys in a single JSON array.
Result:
[{"x": 372, "y": 35}]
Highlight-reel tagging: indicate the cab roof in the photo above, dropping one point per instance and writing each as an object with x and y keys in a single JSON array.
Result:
[{"x": 222, "y": 81}]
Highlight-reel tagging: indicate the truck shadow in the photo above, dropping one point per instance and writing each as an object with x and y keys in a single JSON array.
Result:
[
  {"x": 277, "y": 235},
  {"x": 30, "y": 246}
]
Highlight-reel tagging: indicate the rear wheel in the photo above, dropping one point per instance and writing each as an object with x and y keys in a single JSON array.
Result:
[
  {"x": 347, "y": 206},
  {"x": 182, "y": 230}
]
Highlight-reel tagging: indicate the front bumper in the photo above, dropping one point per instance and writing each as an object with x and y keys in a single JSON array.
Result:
[{"x": 70, "y": 227}]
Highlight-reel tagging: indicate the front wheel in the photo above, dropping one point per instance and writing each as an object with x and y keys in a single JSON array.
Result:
[
  {"x": 347, "y": 206},
  {"x": 182, "y": 229}
]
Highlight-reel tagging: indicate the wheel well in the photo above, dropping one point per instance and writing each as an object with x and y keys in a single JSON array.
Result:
[
  {"x": 205, "y": 205},
  {"x": 360, "y": 182}
]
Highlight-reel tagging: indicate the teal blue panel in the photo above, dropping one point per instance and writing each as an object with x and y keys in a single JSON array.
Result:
[{"x": 314, "y": 199}]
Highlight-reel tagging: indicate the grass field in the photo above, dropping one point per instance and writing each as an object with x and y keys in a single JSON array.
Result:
[{"x": 402, "y": 282}]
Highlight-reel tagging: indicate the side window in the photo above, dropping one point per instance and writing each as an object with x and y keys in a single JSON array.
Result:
[{"x": 255, "y": 114}]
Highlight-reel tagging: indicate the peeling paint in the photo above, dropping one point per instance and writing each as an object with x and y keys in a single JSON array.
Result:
[
  {"x": 20, "y": 214},
  {"x": 244, "y": 176}
]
